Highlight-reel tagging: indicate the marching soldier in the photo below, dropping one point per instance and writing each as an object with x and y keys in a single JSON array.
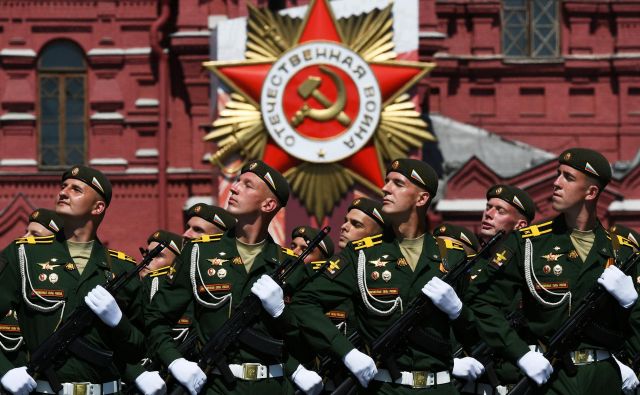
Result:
[
  {"x": 218, "y": 272},
  {"x": 364, "y": 218},
  {"x": 462, "y": 235},
  {"x": 45, "y": 278},
  {"x": 205, "y": 219},
  {"x": 553, "y": 265},
  {"x": 382, "y": 274},
  {"x": 302, "y": 235}
]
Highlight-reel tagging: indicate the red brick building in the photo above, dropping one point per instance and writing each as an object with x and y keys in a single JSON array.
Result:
[{"x": 118, "y": 85}]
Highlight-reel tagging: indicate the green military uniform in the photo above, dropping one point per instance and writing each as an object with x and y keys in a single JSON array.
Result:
[
  {"x": 552, "y": 281},
  {"x": 211, "y": 270},
  {"x": 377, "y": 278},
  {"x": 42, "y": 284}
]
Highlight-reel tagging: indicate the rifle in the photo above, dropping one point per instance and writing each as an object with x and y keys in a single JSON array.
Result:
[
  {"x": 565, "y": 337},
  {"x": 68, "y": 336},
  {"x": 213, "y": 352},
  {"x": 387, "y": 344}
]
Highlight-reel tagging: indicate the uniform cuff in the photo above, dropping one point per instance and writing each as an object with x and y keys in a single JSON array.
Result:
[
  {"x": 515, "y": 352},
  {"x": 341, "y": 345}
]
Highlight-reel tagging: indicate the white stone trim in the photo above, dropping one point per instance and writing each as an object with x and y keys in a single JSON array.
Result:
[
  {"x": 431, "y": 34},
  {"x": 192, "y": 33},
  {"x": 461, "y": 205},
  {"x": 197, "y": 199},
  {"x": 177, "y": 170},
  {"x": 108, "y": 162},
  {"x": 142, "y": 170},
  {"x": 119, "y": 51},
  {"x": 107, "y": 116},
  {"x": 17, "y": 116},
  {"x": 147, "y": 102},
  {"x": 147, "y": 153},
  {"x": 18, "y": 162},
  {"x": 137, "y": 51},
  {"x": 25, "y": 53},
  {"x": 625, "y": 205},
  {"x": 206, "y": 158}
]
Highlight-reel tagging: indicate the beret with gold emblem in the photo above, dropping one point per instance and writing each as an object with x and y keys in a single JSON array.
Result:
[
  {"x": 418, "y": 172},
  {"x": 92, "y": 177},
  {"x": 214, "y": 214},
  {"x": 515, "y": 197},
  {"x": 588, "y": 161},
  {"x": 459, "y": 233},
  {"x": 274, "y": 180},
  {"x": 47, "y": 218},
  {"x": 308, "y": 233},
  {"x": 171, "y": 241},
  {"x": 370, "y": 207},
  {"x": 628, "y": 233}
]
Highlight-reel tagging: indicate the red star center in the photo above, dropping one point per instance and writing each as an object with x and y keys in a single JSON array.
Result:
[{"x": 319, "y": 25}]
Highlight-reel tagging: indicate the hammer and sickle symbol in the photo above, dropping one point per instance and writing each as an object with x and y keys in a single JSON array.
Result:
[{"x": 309, "y": 88}]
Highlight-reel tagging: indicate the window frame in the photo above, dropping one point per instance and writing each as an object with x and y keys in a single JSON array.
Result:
[{"x": 529, "y": 58}]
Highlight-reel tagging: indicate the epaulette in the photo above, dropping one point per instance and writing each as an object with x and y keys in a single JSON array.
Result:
[
  {"x": 453, "y": 244},
  {"x": 625, "y": 242},
  {"x": 289, "y": 252},
  {"x": 536, "y": 230},
  {"x": 162, "y": 271},
  {"x": 207, "y": 238},
  {"x": 367, "y": 242},
  {"x": 122, "y": 256},
  {"x": 36, "y": 240}
]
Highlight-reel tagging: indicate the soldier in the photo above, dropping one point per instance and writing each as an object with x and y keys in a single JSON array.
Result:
[
  {"x": 460, "y": 234},
  {"x": 205, "y": 219},
  {"x": 43, "y": 222},
  {"x": 302, "y": 235},
  {"x": 364, "y": 218},
  {"x": 218, "y": 272},
  {"x": 382, "y": 274},
  {"x": 554, "y": 264},
  {"x": 45, "y": 278},
  {"x": 508, "y": 208}
]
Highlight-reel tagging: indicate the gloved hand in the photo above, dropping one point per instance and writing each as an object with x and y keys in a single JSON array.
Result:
[
  {"x": 443, "y": 297},
  {"x": 629, "y": 378},
  {"x": 18, "y": 381},
  {"x": 188, "y": 374},
  {"x": 467, "y": 368},
  {"x": 361, "y": 365},
  {"x": 104, "y": 305},
  {"x": 150, "y": 383},
  {"x": 308, "y": 381},
  {"x": 270, "y": 294},
  {"x": 619, "y": 285},
  {"x": 536, "y": 366}
]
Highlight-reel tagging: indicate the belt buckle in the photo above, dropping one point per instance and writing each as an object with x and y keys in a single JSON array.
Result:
[
  {"x": 581, "y": 356},
  {"x": 81, "y": 388},
  {"x": 422, "y": 379},
  {"x": 250, "y": 371}
]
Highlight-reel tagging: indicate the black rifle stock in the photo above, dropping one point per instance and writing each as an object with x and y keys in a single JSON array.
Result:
[
  {"x": 562, "y": 341},
  {"x": 213, "y": 353},
  {"x": 386, "y": 345},
  {"x": 68, "y": 336}
]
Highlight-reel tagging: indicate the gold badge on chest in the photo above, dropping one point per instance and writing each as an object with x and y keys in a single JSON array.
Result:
[
  {"x": 379, "y": 263},
  {"x": 573, "y": 254},
  {"x": 217, "y": 261},
  {"x": 550, "y": 257},
  {"x": 402, "y": 262}
]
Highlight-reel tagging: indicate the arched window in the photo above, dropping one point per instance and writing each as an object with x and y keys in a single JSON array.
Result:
[{"x": 62, "y": 104}]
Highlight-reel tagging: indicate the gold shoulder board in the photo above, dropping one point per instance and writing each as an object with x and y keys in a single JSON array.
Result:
[
  {"x": 536, "y": 230},
  {"x": 367, "y": 242}
]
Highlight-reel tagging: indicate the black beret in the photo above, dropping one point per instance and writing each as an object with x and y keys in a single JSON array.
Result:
[
  {"x": 170, "y": 240},
  {"x": 47, "y": 218},
  {"x": 459, "y": 233},
  {"x": 628, "y": 233},
  {"x": 588, "y": 161},
  {"x": 308, "y": 233},
  {"x": 515, "y": 197},
  {"x": 92, "y": 177},
  {"x": 370, "y": 207},
  {"x": 418, "y": 172},
  {"x": 214, "y": 214},
  {"x": 274, "y": 180}
]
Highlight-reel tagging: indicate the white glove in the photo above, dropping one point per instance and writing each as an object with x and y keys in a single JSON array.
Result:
[
  {"x": 619, "y": 285},
  {"x": 467, "y": 368},
  {"x": 150, "y": 383},
  {"x": 103, "y": 304},
  {"x": 536, "y": 366},
  {"x": 361, "y": 365},
  {"x": 308, "y": 381},
  {"x": 18, "y": 381},
  {"x": 270, "y": 294},
  {"x": 629, "y": 378},
  {"x": 188, "y": 374},
  {"x": 443, "y": 297}
]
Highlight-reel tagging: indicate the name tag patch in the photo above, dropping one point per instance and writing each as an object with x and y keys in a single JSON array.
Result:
[
  {"x": 383, "y": 291},
  {"x": 215, "y": 287}
]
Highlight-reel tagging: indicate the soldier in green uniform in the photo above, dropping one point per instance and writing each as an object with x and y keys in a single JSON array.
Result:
[
  {"x": 301, "y": 236},
  {"x": 381, "y": 275},
  {"x": 44, "y": 278},
  {"x": 462, "y": 235},
  {"x": 553, "y": 265},
  {"x": 42, "y": 222},
  {"x": 218, "y": 272},
  {"x": 205, "y": 219}
]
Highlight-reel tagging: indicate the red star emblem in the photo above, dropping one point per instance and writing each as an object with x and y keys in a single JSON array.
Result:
[{"x": 393, "y": 79}]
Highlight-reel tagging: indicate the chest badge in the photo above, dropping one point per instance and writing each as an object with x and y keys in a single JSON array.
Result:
[
  {"x": 556, "y": 248},
  {"x": 573, "y": 254},
  {"x": 552, "y": 257},
  {"x": 222, "y": 273},
  {"x": 402, "y": 262},
  {"x": 69, "y": 266},
  {"x": 379, "y": 263},
  {"x": 237, "y": 261},
  {"x": 217, "y": 261},
  {"x": 53, "y": 278},
  {"x": 212, "y": 272},
  {"x": 376, "y": 275},
  {"x": 48, "y": 266},
  {"x": 386, "y": 276},
  {"x": 42, "y": 277},
  {"x": 557, "y": 270},
  {"x": 546, "y": 269}
]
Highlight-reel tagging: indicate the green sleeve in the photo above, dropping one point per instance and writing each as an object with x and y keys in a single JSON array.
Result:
[{"x": 9, "y": 293}]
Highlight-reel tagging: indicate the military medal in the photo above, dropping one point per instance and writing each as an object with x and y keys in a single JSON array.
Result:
[
  {"x": 546, "y": 269},
  {"x": 552, "y": 257},
  {"x": 222, "y": 273},
  {"x": 53, "y": 278},
  {"x": 42, "y": 277},
  {"x": 638, "y": 279},
  {"x": 402, "y": 262},
  {"x": 211, "y": 272},
  {"x": 217, "y": 261},
  {"x": 386, "y": 275},
  {"x": 573, "y": 254},
  {"x": 556, "y": 248},
  {"x": 375, "y": 276},
  {"x": 48, "y": 266},
  {"x": 557, "y": 270},
  {"x": 69, "y": 266},
  {"x": 379, "y": 263},
  {"x": 237, "y": 261}
]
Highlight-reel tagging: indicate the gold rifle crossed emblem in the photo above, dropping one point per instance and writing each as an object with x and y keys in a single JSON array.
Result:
[{"x": 309, "y": 88}]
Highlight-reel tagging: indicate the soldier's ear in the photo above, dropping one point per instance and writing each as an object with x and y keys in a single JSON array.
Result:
[
  {"x": 99, "y": 207},
  {"x": 521, "y": 223},
  {"x": 423, "y": 198},
  {"x": 270, "y": 205},
  {"x": 592, "y": 192}
]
